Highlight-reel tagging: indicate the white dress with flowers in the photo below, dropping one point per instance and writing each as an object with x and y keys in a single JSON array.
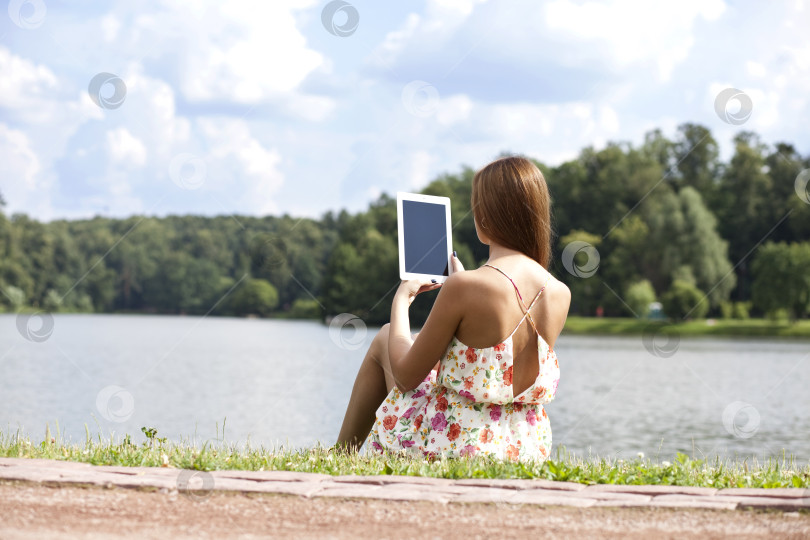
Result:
[{"x": 468, "y": 407}]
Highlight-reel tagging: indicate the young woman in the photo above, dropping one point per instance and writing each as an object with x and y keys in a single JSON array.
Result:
[{"x": 475, "y": 378}]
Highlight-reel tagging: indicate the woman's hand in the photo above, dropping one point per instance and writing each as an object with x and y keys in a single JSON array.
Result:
[
  {"x": 409, "y": 289},
  {"x": 455, "y": 264}
]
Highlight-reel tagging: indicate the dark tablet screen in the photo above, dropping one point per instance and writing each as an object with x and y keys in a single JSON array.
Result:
[{"x": 425, "y": 228}]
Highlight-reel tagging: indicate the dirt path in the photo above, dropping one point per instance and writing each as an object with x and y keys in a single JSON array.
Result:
[{"x": 33, "y": 511}]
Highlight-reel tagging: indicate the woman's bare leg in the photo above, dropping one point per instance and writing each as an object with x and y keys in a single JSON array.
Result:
[{"x": 374, "y": 381}]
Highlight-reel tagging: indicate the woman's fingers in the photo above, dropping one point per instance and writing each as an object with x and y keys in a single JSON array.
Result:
[
  {"x": 455, "y": 264},
  {"x": 429, "y": 286}
]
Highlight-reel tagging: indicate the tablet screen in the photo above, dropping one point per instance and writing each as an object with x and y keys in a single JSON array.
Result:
[{"x": 425, "y": 232}]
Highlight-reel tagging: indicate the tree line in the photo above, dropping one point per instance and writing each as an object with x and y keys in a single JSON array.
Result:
[{"x": 664, "y": 221}]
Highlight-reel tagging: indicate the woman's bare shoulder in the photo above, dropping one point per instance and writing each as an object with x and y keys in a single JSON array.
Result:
[
  {"x": 558, "y": 300},
  {"x": 467, "y": 280},
  {"x": 558, "y": 289}
]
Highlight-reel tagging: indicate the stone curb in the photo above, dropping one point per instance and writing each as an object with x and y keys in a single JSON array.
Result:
[{"x": 198, "y": 485}]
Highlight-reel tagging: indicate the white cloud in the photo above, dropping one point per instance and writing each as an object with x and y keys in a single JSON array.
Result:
[
  {"x": 460, "y": 7},
  {"x": 627, "y": 32},
  {"x": 125, "y": 148},
  {"x": 21, "y": 182},
  {"x": 240, "y": 167},
  {"x": 310, "y": 108},
  {"x": 421, "y": 163},
  {"x": 755, "y": 69},
  {"x": 453, "y": 109},
  {"x": 25, "y": 87},
  {"x": 110, "y": 25},
  {"x": 396, "y": 40},
  {"x": 241, "y": 51}
]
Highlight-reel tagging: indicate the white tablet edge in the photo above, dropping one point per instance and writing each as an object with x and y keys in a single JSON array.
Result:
[{"x": 403, "y": 196}]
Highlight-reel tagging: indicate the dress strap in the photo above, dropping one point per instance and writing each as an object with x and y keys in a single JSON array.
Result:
[
  {"x": 511, "y": 280},
  {"x": 526, "y": 310},
  {"x": 528, "y": 313}
]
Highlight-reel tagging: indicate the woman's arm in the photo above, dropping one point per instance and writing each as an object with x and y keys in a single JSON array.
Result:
[{"x": 411, "y": 360}]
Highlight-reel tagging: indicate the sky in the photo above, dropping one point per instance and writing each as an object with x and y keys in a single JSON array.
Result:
[{"x": 301, "y": 106}]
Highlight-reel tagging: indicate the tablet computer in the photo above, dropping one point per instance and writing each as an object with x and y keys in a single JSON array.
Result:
[{"x": 425, "y": 237}]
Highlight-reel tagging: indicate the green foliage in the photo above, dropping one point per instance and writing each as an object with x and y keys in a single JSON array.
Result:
[
  {"x": 684, "y": 241},
  {"x": 255, "y": 297},
  {"x": 684, "y": 300},
  {"x": 303, "y": 308},
  {"x": 782, "y": 279},
  {"x": 14, "y": 297},
  {"x": 664, "y": 212},
  {"x": 585, "y": 291},
  {"x": 629, "y": 326},
  {"x": 741, "y": 310},
  {"x": 639, "y": 296}
]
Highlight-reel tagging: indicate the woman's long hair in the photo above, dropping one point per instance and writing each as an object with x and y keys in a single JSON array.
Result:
[{"x": 512, "y": 205}]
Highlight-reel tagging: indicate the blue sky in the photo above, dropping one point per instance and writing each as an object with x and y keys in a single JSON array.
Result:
[{"x": 256, "y": 108}]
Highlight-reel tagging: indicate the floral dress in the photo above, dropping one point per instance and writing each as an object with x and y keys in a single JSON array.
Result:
[{"x": 468, "y": 406}]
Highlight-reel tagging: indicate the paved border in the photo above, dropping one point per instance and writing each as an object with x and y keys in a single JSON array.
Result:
[{"x": 199, "y": 485}]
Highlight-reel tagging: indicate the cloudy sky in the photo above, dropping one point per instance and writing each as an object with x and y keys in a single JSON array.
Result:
[{"x": 301, "y": 106}]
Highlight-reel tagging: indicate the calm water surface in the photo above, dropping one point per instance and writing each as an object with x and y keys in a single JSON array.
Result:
[{"x": 288, "y": 383}]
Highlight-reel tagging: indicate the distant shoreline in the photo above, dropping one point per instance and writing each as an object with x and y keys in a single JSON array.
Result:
[{"x": 576, "y": 325}]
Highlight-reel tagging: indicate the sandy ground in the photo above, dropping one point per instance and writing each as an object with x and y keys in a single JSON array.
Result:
[{"x": 29, "y": 511}]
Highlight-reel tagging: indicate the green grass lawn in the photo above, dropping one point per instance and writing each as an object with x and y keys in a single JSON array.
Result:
[
  {"x": 682, "y": 470},
  {"x": 700, "y": 327}
]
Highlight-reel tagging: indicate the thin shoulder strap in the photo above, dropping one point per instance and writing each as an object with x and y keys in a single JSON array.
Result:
[
  {"x": 511, "y": 281},
  {"x": 528, "y": 313},
  {"x": 526, "y": 310}
]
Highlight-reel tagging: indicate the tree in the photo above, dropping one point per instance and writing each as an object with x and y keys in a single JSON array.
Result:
[
  {"x": 696, "y": 154},
  {"x": 255, "y": 297},
  {"x": 743, "y": 205},
  {"x": 781, "y": 278},
  {"x": 683, "y": 300},
  {"x": 683, "y": 233},
  {"x": 639, "y": 296},
  {"x": 581, "y": 270}
]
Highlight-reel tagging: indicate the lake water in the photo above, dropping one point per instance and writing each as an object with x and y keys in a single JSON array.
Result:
[{"x": 288, "y": 382}]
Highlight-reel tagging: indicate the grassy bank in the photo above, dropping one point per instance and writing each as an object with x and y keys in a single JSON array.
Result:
[
  {"x": 157, "y": 452},
  {"x": 700, "y": 327}
]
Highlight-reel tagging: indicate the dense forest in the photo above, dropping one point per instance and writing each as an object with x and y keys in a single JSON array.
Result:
[{"x": 664, "y": 221}]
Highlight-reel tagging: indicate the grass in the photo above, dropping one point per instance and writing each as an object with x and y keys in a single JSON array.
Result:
[
  {"x": 700, "y": 327},
  {"x": 159, "y": 452}
]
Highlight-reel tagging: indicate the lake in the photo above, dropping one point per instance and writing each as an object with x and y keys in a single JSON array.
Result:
[{"x": 277, "y": 382}]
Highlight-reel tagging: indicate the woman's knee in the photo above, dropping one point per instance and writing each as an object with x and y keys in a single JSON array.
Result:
[{"x": 379, "y": 345}]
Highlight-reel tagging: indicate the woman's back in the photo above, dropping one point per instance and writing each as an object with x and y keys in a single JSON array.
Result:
[{"x": 494, "y": 312}]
